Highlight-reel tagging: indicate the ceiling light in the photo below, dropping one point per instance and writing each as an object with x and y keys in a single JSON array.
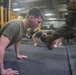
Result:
[
  {"x": 15, "y": 3},
  {"x": 48, "y": 14},
  {"x": 17, "y": 9}
]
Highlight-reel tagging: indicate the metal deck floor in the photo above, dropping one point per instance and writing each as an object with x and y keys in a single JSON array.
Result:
[{"x": 41, "y": 61}]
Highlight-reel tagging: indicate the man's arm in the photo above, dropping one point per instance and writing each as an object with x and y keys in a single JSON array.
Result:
[
  {"x": 17, "y": 45},
  {"x": 34, "y": 39},
  {"x": 4, "y": 41}
]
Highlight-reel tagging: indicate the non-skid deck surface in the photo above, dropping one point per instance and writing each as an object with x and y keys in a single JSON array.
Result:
[
  {"x": 72, "y": 56},
  {"x": 41, "y": 61}
]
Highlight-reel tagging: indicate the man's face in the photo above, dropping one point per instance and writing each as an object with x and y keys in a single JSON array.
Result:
[
  {"x": 35, "y": 22},
  {"x": 73, "y": 4}
]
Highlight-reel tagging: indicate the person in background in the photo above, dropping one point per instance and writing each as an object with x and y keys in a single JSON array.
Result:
[
  {"x": 12, "y": 32},
  {"x": 40, "y": 34},
  {"x": 67, "y": 28}
]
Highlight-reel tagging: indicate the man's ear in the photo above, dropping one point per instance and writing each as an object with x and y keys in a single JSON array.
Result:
[{"x": 31, "y": 18}]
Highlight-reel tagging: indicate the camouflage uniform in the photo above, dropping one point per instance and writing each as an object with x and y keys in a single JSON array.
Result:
[{"x": 64, "y": 30}]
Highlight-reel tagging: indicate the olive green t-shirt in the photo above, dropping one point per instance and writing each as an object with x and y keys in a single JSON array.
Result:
[{"x": 14, "y": 30}]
